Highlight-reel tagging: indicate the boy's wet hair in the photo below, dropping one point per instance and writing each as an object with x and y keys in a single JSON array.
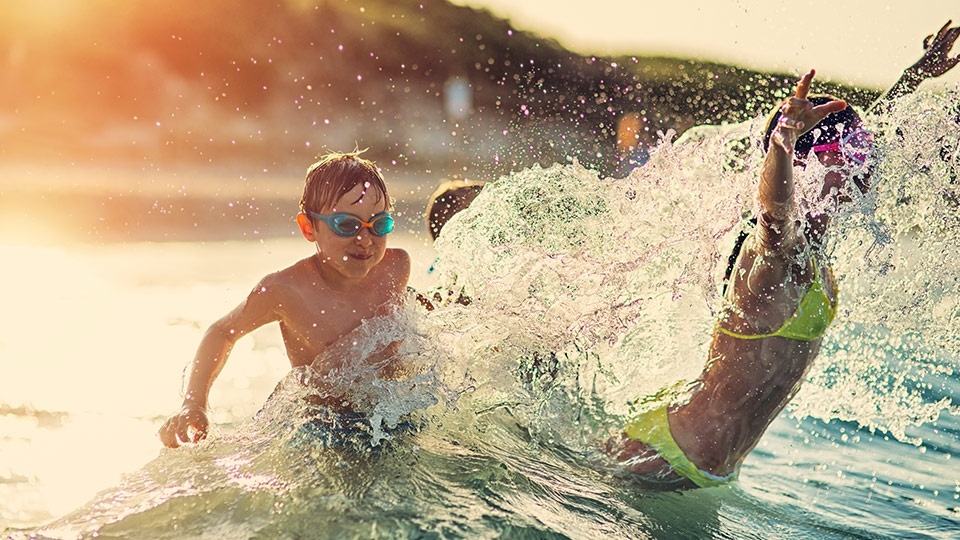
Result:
[
  {"x": 334, "y": 175},
  {"x": 447, "y": 200},
  {"x": 828, "y": 131}
]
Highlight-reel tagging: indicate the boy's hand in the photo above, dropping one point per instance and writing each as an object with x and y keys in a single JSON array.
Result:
[{"x": 189, "y": 425}]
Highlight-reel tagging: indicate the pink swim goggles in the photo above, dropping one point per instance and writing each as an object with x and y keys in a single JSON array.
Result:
[{"x": 855, "y": 146}]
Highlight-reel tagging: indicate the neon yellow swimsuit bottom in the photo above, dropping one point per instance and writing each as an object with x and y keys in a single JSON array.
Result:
[
  {"x": 811, "y": 319},
  {"x": 653, "y": 429}
]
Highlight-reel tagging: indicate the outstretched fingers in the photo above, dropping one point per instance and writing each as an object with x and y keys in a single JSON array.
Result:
[
  {"x": 936, "y": 58},
  {"x": 946, "y": 39},
  {"x": 798, "y": 114},
  {"x": 945, "y": 34},
  {"x": 822, "y": 111},
  {"x": 794, "y": 114},
  {"x": 803, "y": 86},
  {"x": 809, "y": 115}
]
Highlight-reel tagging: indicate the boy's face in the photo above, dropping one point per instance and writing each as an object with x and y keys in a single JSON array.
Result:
[{"x": 352, "y": 256}]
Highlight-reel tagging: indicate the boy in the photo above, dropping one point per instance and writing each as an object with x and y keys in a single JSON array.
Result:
[{"x": 344, "y": 211}]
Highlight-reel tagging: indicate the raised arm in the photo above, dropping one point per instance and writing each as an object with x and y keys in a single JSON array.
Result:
[
  {"x": 935, "y": 62},
  {"x": 779, "y": 228},
  {"x": 191, "y": 424}
]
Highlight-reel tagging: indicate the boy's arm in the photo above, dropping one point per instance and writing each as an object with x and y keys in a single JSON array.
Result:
[
  {"x": 934, "y": 62},
  {"x": 191, "y": 424}
]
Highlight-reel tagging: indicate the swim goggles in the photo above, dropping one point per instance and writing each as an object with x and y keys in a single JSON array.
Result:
[
  {"x": 343, "y": 224},
  {"x": 855, "y": 146}
]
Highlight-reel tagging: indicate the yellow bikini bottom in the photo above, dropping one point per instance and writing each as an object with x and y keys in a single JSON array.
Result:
[{"x": 652, "y": 428}]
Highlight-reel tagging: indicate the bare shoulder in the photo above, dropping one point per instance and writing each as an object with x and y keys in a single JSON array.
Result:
[
  {"x": 397, "y": 256},
  {"x": 286, "y": 279},
  {"x": 391, "y": 275},
  {"x": 396, "y": 263},
  {"x": 264, "y": 302}
]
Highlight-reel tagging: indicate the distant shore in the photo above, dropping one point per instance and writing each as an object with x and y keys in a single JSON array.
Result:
[{"x": 46, "y": 204}]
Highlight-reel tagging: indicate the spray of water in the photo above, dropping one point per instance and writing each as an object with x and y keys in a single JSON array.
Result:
[{"x": 620, "y": 280}]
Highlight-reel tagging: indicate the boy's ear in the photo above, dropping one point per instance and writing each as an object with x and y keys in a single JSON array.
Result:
[{"x": 306, "y": 227}]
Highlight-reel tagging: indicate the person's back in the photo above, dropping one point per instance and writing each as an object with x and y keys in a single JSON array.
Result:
[
  {"x": 779, "y": 300},
  {"x": 754, "y": 367}
]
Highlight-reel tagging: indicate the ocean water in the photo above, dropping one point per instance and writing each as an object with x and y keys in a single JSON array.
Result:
[{"x": 588, "y": 293}]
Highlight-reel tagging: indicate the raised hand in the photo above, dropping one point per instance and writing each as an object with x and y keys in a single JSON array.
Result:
[
  {"x": 798, "y": 115},
  {"x": 935, "y": 61},
  {"x": 936, "y": 58}
]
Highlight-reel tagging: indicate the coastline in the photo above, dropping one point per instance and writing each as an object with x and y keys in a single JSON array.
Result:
[{"x": 65, "y": 204}]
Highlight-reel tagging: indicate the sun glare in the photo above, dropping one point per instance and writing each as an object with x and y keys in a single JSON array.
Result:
[
  {"x": 44, "y": 15},
  {"x": 32, "y": 225}
]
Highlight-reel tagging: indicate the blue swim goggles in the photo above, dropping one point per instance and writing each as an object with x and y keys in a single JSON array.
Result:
[{"x": 343, "y": 224}]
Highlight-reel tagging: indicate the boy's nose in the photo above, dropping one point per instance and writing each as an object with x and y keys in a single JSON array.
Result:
[{"x": 363, "y": 238}]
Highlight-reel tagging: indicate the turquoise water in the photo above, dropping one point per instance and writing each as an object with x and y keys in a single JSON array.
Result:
[{"x": 487, "y": 436}]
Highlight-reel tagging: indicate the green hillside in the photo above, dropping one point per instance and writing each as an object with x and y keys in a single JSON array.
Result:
[{"x": 268, "y": 83}]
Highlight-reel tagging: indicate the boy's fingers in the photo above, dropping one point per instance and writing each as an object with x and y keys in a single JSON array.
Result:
[
  {"x": 790, "y": 123},
  {"x": 168, "y": 437},
  {"x": 183, "y": 431},
  {"x": 951, "y": 36},
  {"x": 199, "y": 433}
]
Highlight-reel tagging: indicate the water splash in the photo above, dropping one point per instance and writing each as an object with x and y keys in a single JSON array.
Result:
[
  {"x": 898, "y": 264},
  {"x": 621, "y": 278}
]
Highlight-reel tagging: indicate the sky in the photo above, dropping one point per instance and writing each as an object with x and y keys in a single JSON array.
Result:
[{"x": 861, "y": 42}]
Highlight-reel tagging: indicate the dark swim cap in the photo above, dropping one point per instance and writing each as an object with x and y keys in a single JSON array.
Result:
[
  {"x": 450, "y": 198},
  {"x": 829, "y": 130}
]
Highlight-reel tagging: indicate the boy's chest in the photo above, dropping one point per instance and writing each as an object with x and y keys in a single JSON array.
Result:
[{"x": 314, "y": 322}]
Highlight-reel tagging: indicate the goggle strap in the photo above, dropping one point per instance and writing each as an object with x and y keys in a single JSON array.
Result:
[{"x": 841, "y": 146}]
